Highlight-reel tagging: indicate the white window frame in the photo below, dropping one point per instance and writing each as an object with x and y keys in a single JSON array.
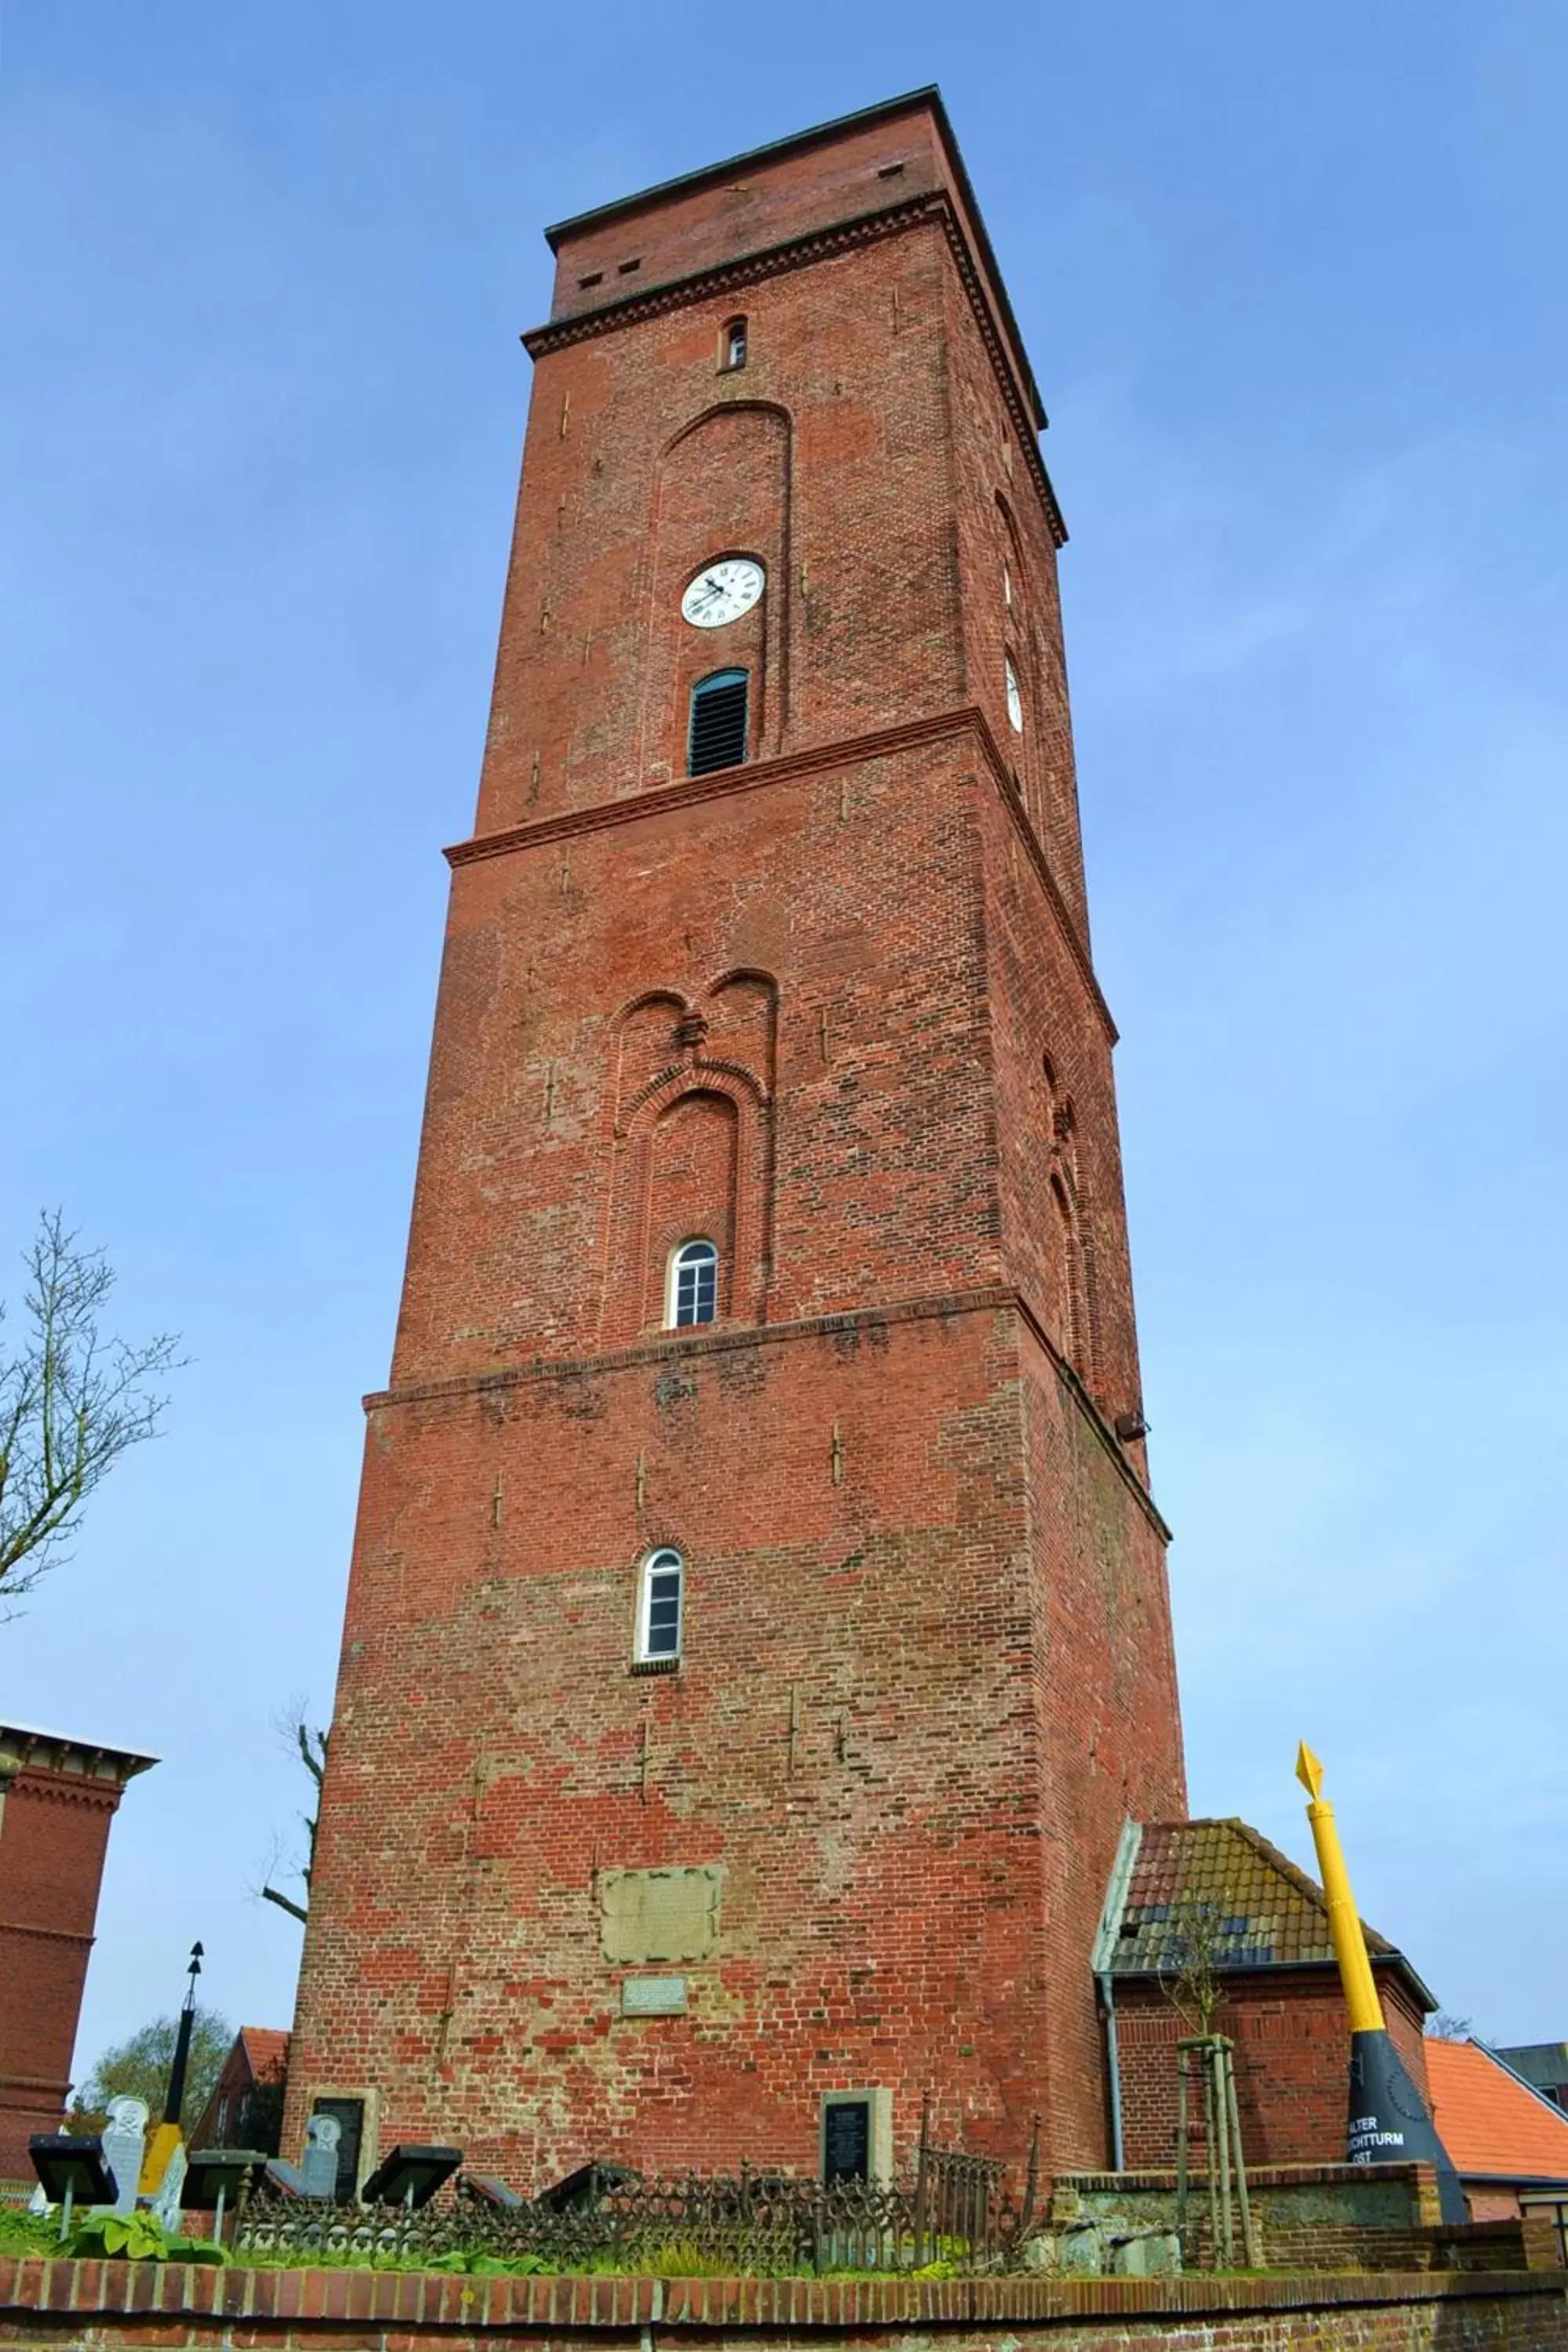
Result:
[
  {"x": 672, "y": 1282},
  {"x": 660, "y": 1563}
]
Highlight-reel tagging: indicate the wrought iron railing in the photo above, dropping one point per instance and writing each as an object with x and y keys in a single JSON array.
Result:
[{"x": 956, "y": 2208}]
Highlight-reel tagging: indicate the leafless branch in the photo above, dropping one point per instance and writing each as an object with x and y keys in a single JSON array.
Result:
[
  {"x": 303, "y": 1739},
  {"x": 72, "y": 1402},
  {"x": 1192, "y": 1980}
]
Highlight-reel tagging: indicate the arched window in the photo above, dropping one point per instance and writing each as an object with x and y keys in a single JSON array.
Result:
[
  {"x": 659, "y": 1597},
  {"x": 718, "y": 731},
  {"x": 733, "y": 344},
  {"x": 1015, "y": 698},
  {"x": 1072, "y": 1334},
  {"x": 693, "y": 1283}
]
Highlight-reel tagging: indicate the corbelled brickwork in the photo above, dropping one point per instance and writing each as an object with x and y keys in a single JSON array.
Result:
[
  {"x": 833, "y": 1009},
  {"x": 57, "y": 1798}
]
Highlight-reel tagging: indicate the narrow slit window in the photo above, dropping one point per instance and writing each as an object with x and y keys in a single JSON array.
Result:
[
  {"x": 717, "y": 738},
  {"x": 660, "y": 1607},
  {"x": 694, "y": 1284},
  {"x": 733, "y": 345},
  {"x": 1014, "y": 699}
]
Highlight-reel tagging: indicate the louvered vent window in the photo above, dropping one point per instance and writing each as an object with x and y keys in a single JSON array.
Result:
[{"x": 718, "y": 722}]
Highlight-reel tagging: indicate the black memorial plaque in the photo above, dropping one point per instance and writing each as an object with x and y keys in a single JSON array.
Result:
[{"x": 846, "y": 2140}]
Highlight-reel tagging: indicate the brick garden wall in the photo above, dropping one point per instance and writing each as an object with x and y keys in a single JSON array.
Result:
[{"x": 116, "y": 2306}]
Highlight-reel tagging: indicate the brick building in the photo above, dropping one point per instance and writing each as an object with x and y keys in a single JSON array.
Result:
[
  {"x": 1217, "y": 1892},
  {"x": 57, "y": 1798},
  {"x": 245, "y": 2106},
  {"x": 1509, "y": 2141},
  {"x": 758, "y": 1629}
]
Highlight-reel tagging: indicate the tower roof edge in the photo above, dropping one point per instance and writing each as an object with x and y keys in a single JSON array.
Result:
[
  {"x": 927, "y": 101},
  {"x": 773, "y": 150}
]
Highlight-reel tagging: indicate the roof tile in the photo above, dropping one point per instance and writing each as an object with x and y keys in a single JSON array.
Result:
[
  {"x": 1221, "y": 1879},
  {"x": 1492, "y": 2125}
]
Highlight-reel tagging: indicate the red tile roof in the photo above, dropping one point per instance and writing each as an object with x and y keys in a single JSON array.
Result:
[
  {"x": 1253, "y": 1906},
  {"x": 267, "y": 2051},
  {"x": 1493, "y": 2126}
]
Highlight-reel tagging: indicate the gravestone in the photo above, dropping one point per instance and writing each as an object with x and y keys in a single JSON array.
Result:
[
  {"x": 124, "y": 2146},
  {"x": 319, "y": 2166},
  {"x": 166, "y": 2203}
]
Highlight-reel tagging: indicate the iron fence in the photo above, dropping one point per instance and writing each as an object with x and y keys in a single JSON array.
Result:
[{"x": 760, "y": 2221}]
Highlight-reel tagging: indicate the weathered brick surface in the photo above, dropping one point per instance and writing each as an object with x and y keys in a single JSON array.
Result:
[
  {"x": 116, "y": 2306},
  {"x": 833, "y": 1008},
  {"x": 1290, "y": 2058}
]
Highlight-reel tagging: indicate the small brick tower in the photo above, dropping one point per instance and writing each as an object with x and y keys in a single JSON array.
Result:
[
  {"x": 758, "y": 1628},
  {"x": 57, "y": 1799}
]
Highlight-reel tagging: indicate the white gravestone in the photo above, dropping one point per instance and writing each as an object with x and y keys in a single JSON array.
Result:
[
  {"x": 124, "y": 2146},
  {"x": 166, "y": 2203}
]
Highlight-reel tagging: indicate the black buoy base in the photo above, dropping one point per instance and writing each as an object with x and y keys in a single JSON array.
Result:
[{"x": 1389, "y": 2123}]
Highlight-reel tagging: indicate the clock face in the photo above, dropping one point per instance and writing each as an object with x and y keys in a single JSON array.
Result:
[{"x": 722, "y": 591}]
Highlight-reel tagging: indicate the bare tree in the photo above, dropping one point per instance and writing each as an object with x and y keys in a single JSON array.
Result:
[
  {"x": 1191, "y": 1977},
  {"x": 311, "y": 1744},
  {"x": 72, "y": 1402},
  {"x": 1443, "y": 2025}
]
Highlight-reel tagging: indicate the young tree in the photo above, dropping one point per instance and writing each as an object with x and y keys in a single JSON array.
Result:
[
  {"x": 1192, "y": 1978},
  {"x": 311, "y": 1747},
  {"x": 138, "y": 2068},
  {"x": 72, "y": 1402}
]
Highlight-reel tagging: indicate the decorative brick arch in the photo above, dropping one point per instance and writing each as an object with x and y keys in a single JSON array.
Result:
[{"x": 670, "y": 1065}]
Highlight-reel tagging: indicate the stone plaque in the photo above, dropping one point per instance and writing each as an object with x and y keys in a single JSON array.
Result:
[
  {"x": 659, "y": 1915},
  {"x": 653, "y": 1997},
  {"x": 846, "y": 2140}
]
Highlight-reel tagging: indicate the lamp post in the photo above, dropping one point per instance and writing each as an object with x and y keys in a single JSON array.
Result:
[
  {"x": 177, "y": 2071},
  {"x": 162, "y": 2142},
  {"x": 1388, "y": 2121}
]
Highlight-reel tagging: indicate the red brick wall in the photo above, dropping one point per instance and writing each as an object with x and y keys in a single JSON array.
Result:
[
  {"x": 53, "y": 1836},
  {"x": 804, "y": 1008},
  {"x": 1292, "y": 2065},
  {"x": 111, "y": 2305}
]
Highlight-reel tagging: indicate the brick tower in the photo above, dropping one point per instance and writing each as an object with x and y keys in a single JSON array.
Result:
[
  {"x": 758, "y": 1627},
  {"x": 58, "y": 1797}
]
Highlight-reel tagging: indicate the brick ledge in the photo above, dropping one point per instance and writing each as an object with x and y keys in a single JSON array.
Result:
[
  {"x": 90, "y": 2293},
  {"x": 679, "y": 1346},
  {"x": 691, "y": 791}
]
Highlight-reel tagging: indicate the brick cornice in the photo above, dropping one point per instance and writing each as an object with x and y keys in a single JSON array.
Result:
[
  {"x": 61, "y": 1789},
  {"x": 693, "y": 791},
  {"x": 45, "y": 1935},
  {"x": 797, "y": 253},
  {"x": 683, "y": 1346}
]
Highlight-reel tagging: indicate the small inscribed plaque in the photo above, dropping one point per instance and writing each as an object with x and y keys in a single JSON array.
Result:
[
  {"x": 846, "y": 2140},
  {"x": 653, "y": 1997},
  {"x": 648, "y": 1915}
]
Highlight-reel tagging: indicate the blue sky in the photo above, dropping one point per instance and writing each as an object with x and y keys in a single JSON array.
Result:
[{"x": 1291, "y": 282}]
